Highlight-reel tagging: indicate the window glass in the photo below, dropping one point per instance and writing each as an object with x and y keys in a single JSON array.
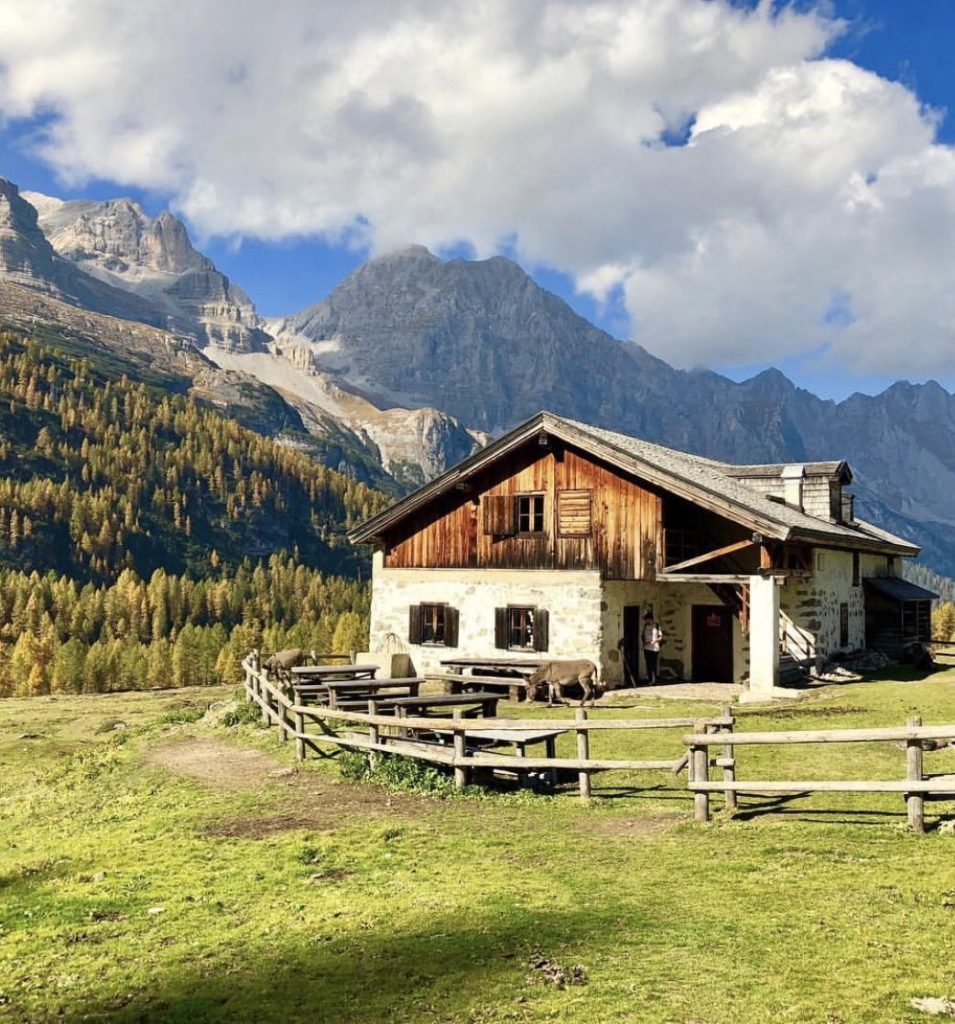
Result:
[
  {"x": 520, "y": 628},
  {"x": 432, "y": 624},
  {"x": 530, "y": 513}
]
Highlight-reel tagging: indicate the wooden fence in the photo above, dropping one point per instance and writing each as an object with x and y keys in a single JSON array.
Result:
[
  {"x": 712, "y": 744},
  {"x": 310, "y": 726},
  {"x": 915, "y": 786}
]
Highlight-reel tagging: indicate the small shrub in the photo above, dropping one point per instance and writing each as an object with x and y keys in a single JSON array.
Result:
[
  {"x": 246, "y": 713},
  {"x": 396, "y": 772},
  {"x": 181, "y": 716}
]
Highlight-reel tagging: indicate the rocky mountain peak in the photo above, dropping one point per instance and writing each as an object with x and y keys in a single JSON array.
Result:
[
  {"x": 25, "y": 254},
  {"x": 116, "y": 242}
]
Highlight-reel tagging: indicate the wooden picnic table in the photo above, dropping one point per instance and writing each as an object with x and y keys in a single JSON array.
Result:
[
  {"x": 360, "y": 691},
  {"x": 486, "y": 703},
  {"x": 520, "y": 740},
  {"x": 323, "y": 672},
  {"x": 357, "y": 692},
  {"x": 517, "y": 666}
]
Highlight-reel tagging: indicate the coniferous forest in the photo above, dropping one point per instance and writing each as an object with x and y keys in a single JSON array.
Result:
[{"x": 147, "y": 541}]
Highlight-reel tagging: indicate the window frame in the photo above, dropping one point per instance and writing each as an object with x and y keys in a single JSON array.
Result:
[
  {"x": 533, "y": 515},
  {"x": 437, "y": 613}
]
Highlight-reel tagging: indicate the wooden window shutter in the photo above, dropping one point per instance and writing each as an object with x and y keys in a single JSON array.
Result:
[
  {"x": 414, "y": 624},
  {"x": 574, "y": 513},
  {"x": 499, "y": 515},
  {"x": 450, "y": 626},
  {"x": 541, "y": 629},
  {"x": 501, "y": 629}
]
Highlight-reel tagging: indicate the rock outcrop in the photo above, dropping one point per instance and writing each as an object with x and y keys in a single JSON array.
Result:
[{"x": 152, "y": 257}]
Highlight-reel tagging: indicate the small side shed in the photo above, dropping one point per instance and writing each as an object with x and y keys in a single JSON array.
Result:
[{"x": 897, "y": 613}]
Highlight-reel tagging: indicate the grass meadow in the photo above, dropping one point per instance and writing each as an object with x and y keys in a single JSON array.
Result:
[{"x": 161, "y": 863}]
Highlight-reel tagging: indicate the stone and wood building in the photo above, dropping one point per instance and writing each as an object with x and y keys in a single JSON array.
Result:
[{"x": 559, "y": 539}]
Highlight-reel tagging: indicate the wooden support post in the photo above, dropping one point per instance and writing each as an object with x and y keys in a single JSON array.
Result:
[
  {"x": 729, "y": 773},
  {"x": 373, "y": 734},
  {"x": 300, "y": 735},
  {"x": 283, "y": 721},
  {"x": 915, "y": 802},
  {"x": 583, "y": 754},
  {"x": 701, "y": 767},
  {"x": 264, "y": 694},
  {"x": 460, "y": 751}
]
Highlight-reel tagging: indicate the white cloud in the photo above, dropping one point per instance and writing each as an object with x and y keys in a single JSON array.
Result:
[{"x": 810, "y": 207}]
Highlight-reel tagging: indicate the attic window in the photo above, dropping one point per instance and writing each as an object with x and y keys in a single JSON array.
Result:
[{"x": 530, "y": 513}]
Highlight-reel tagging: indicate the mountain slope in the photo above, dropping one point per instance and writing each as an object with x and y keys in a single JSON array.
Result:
[
  {"x": 97, "y": 475},
  {"x": 483, "y": 342}
]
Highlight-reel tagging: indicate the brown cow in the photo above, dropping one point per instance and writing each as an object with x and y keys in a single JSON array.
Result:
[{"x": 556, "y": 675}]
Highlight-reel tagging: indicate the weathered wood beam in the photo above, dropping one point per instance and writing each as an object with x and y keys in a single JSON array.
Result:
[{"x": 709, "y": 556}]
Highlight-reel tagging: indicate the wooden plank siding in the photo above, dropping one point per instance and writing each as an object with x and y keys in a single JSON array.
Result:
[{"x": 459, "y": 530}]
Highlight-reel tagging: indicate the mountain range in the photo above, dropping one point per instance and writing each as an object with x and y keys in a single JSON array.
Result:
[{"x": 412, "y": 361}]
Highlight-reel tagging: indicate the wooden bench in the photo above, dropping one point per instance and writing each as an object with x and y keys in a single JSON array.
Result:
[
  {"x": 454, "y": 682},
  {"x": 352, "y": 694},
  {"x": 320, "y": 673},
  {"x": 420, "y": 705}
]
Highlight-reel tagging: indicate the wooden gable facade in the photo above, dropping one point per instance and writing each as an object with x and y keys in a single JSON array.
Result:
[{"x": 542, "y": 506}]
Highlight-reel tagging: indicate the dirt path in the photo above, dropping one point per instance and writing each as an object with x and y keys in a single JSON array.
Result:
[{"x": 304, "y": 799}]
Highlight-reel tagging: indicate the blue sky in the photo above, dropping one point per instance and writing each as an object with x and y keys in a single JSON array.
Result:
[{"x": 905, "y": 43}]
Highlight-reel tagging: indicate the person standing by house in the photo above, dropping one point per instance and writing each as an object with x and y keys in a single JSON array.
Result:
[{"x": 652, "y": 641}]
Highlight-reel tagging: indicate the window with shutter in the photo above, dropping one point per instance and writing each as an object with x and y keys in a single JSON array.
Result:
[
  {"x": 498, "y": 515},
  {"x": 450, "y": 626},
  {"x": 414, "y": 624},
  {"x": 520, "y": 628},
  {"x": 574, "y": 513}
]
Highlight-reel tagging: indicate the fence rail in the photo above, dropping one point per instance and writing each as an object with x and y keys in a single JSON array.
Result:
[
  {"x": 915, "y": 786},
  {"x": 711, "y": 744},
  {"x": 413, "y": 736}
]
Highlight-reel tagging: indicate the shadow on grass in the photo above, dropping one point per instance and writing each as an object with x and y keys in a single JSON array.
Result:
[
  {"x": 780, "y": 806},
  {"x": 382, "y": 974}
]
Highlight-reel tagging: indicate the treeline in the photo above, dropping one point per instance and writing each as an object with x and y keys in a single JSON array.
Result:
[
  {"x": 60, "y": 636},
  {"x": 98, "y": 476},
  {"x": 925, "y": 577},
  {"x": 943, "y": 621}
]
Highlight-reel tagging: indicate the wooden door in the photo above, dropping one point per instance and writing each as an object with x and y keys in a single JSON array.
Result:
[
  {"x": 630, "y": 651},
  {"x": 712, "y": 644}
]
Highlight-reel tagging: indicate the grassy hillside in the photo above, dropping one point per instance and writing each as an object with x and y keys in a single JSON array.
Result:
[
  {"x": 98, "y": 475},
  {"x": 178, "y": 870}
]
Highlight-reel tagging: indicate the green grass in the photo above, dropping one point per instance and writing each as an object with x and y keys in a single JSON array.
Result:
[{"x": 820, "y": 909}]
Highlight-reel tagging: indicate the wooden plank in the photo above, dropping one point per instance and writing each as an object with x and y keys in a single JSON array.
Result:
[
  {"x": 828, "y": 786},
  {"x": 892, "y": 734},
  {"x": 708, "y": 556},
  {"x": 509, "y": 724}
]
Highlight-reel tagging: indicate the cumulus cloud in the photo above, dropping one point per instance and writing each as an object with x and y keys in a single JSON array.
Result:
[{"x": 750, "y": 198}]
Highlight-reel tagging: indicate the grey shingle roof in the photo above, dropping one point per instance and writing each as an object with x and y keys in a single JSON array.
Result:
[{"x": 705, "y": 480}]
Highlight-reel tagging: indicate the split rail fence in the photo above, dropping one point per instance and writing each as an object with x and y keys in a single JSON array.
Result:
[
  {"x": 712, "y": 744},
  {"x": 310, "y": 726}
]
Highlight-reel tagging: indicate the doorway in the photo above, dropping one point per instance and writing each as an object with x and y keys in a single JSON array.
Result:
[
  {"x": 712, "y": 644},
  {"x": 630, "y": 649}
]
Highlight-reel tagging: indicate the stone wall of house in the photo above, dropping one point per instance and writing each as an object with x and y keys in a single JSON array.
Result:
[
  {"x": 810, "y": 609},
  {"x": 572, "y": 599},
  {"x": 672, "y": 604}
]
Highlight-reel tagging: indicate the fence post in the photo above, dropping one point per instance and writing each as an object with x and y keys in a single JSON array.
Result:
[
  {"x": 583, "y": 754},
  {"x": 300, "y": 735},
  {"x": 373, "y": 734},
  {"x": 729, "y": 771},
  {"x": 700, "y": 759},
  {"x": 915, "y": 802},
  {"x": 460, "y": 751},
  {"x": 283, "y": 720}
]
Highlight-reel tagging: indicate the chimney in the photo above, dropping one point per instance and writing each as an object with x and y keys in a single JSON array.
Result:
[
  {"x": 792, "y": 485},
  {"x": 848, "y": 510}
]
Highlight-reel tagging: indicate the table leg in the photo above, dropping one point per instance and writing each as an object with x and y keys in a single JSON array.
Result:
[
  {"x": 551, "y": 750},
  {"x": 520, "y": 750}
]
